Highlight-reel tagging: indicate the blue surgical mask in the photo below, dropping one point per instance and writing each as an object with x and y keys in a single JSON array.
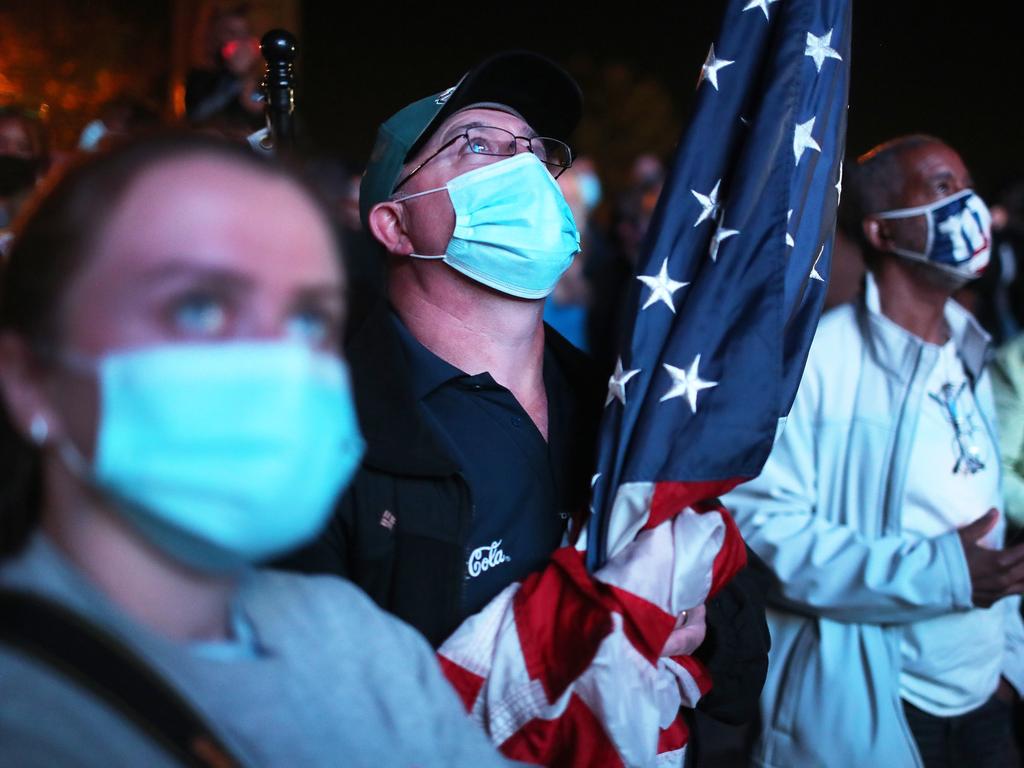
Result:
[
  {"x": 92, "y": 135},
  {"x": 513, "y": 231},
  {"x": 590, "y": 190},
  {"x": 959, "y": 233},
  {"x": 222, "y": 454}
]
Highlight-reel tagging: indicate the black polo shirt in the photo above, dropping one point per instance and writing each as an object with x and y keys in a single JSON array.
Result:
[{"x": 516, "y": 479}]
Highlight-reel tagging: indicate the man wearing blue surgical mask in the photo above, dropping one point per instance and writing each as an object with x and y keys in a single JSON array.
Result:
[
  {"x": 480, "y": 421},
  {"x": 897, "y": 637}
]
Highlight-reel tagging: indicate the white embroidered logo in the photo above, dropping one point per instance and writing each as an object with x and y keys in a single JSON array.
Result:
[
  {"x": 483, "y": 558},
  {"x": 443, "y": 97},
  {"x": 965, "y": 232}
]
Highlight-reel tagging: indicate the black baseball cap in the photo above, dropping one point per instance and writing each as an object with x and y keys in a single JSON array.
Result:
[{"x": 538, "y": 89}]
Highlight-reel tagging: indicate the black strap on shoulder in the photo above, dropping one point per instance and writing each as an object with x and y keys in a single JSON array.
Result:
[{"x": 99, "y": 662}]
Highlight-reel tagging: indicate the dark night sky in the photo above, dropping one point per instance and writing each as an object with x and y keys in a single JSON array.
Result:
[{"x": 950, "y": 69}]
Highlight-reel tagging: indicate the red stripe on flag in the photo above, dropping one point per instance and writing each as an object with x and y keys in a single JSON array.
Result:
[
  {"x": 575, "y": 739},
  {"x": 647, "y": 627},
  {"x": 674, "y": 737},
  {"x": 697, "y": 671},
  {"x": 563, "y": 615},
  {"x": 560, "y": 621},
  {"x": 732, "y": 557},
  {"x": 671, "y": 498},
  {"x": 467, "y": 684}
]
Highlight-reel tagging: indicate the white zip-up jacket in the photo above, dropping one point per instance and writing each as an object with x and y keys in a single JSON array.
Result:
[{"x": 825, "y": 516}]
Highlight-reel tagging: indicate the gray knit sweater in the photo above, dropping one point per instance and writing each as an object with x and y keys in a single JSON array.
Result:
[{"x": 333, "y": 681}]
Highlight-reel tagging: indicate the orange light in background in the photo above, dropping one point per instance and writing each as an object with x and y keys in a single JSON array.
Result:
[
  {"x": 178, "y": 97},
  {"x": 8, "y": 90},
  {"x": 72, "y": 100}
]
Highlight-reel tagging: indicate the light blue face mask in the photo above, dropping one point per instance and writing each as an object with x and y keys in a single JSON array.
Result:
[
  {"x": 222, "y": 454},
  {"x": 513, "y": 231},
  {"x": 590, "y": 190}
]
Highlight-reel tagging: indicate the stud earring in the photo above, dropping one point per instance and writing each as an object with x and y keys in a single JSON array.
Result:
[{"x": 39, "y": 429}]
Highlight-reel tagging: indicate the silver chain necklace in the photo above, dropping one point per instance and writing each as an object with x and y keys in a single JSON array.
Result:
[{"x": 965, "y": 445}]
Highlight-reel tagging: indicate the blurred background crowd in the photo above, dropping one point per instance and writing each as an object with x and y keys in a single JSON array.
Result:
[{"x": 76, "y": 77}]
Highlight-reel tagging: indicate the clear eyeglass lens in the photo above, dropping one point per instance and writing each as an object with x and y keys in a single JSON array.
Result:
[
  {"x": 488, "y": 140},
  {"x": 553, "y": 152}
]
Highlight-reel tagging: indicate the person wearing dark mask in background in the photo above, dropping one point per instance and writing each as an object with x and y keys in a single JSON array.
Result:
[
  {"x": 23, "y": 160},
  {"x": 224, "y": 95},
  {"x": 611, "y": 270},
  {"x": 118, "y": 120}
]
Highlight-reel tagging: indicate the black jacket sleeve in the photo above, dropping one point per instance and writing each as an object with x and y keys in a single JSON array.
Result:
[
  {"x": 328, "y": 553},
  {"x": 736, "y": 649}
]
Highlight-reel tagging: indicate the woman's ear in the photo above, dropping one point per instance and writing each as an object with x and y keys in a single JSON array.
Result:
[
  {"x": 24, "y": 392},
  {"x": 387, "y": 225}
]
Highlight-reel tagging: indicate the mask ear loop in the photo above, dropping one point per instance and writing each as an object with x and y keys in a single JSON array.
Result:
[
  {"x": 414, "y": 195},
  {"x": 39, "y": 434},
  {"x": 411, "y": 197},
  {"x": 930, "y": 239},
  {"x": 75, "y": 461},
  {"x": 919, "y": 210},
  {"x": 39, "y": 427}
]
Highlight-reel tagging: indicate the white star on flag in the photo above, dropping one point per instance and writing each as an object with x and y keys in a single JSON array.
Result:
[
  {"x": 839, "y": 184},
  {"x": 820, "y": 48},
  {"x": 711, "y": 66},
  {"x": 617, "y": 391},
  {"x": 789, "y": 237},
  {"x": 708, "y": 202},
  {"x": 814, "y": 269},
  {"x": 686, "y": 383},
  {"x": 662, "y": 287},
  {"x": 802, "y": 139},
  {"x": 721, "y": 233},
  {"x": 762, "y": 4},
  {"x": 594, "y": 479}
]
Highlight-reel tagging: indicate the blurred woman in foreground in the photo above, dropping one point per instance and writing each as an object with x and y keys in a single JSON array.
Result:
[{"x": 175, "y": 411}]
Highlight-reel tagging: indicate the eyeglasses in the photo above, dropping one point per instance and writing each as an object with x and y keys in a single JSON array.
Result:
[
  {"x": 488, "y": 140},
  {"x": 969, "y": 459}
]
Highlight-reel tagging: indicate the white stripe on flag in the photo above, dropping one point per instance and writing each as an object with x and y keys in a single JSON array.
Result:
[{"x": 670, "y": 565}]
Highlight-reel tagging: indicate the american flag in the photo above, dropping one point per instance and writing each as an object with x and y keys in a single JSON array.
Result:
[
  {"x": 565, "y": 668},
  {"x": 733, "y": 278}
]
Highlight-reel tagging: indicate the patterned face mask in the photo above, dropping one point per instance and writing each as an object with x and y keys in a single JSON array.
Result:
[{"x": 959, "y": 233}]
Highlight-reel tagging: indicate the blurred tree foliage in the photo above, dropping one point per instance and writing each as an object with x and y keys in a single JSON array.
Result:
[
  {"x": 66, "y": 59},
  {"x": 627, "y": 113}
]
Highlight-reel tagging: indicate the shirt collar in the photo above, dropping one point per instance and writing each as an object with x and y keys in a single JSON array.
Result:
[
  {"x": 427, "y": 371},
  {"x": 971, "y": 340}
]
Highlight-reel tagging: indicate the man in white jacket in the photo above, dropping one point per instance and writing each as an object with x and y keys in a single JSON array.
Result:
[{"x": 896, "y": 636}]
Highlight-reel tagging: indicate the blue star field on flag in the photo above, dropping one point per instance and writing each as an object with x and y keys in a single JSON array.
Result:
[{"x": 732, "y": 279}]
